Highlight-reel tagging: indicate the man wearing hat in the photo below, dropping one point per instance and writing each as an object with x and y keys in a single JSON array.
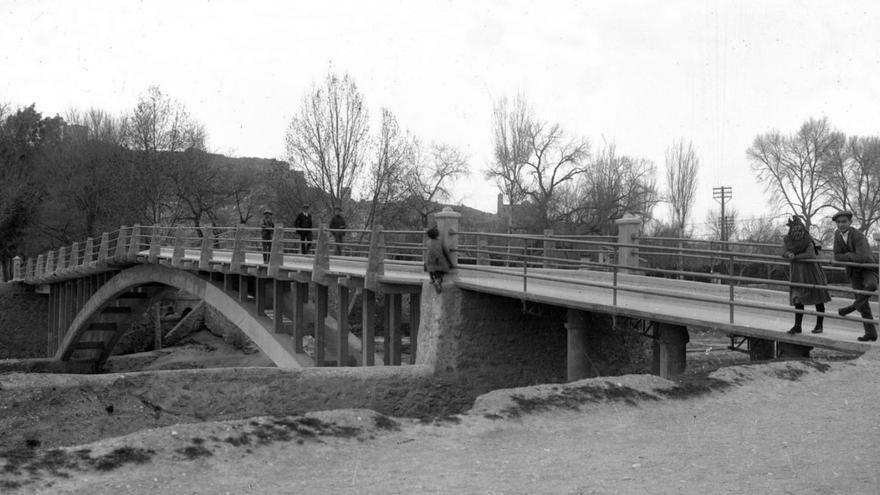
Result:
[
  {"x": 267, "y": 230},
  {"x": 851, "y": 246},
  {"x": 303, "y": 224}
]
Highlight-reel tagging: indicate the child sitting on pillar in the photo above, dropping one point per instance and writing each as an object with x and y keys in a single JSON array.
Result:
[{"x": 437, "y": 259}]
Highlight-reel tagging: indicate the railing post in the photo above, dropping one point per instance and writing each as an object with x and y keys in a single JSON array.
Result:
[
  {"x": 276, "y": 255},
  {"x": 61, "y": 263},
  {"x": 29, "y": 269},
  {"x": 104, "y": 247},
  {"x": 155, "y": 245},
  {"x": 730, "y": 283},
  {"x": 122, "y": 243},
  {"x": 73, "y": 259},
  {"x": 50, "y": 264},
  {"x": 448, "y": 225},
  {"x": 135, "y": 244},
  {"x": 179, "y": 250},
  {"x": 88, "y": 251},
  {"x": 321, "y": 263},
  {"x": 207, "y": 250},
  {"x": 237, "y": 251},
  {"x": 627, "y": 231},
  {"x": 549, "y": 247},
  {"x": 16, "y": 269},
  {"x": 41, "y": 267},
  {"x": 375, "y": 259}
]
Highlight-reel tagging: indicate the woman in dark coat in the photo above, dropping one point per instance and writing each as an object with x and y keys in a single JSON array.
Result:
[
  {"x": 437, "y": 259},
  {"x": 799, "y": 249}
]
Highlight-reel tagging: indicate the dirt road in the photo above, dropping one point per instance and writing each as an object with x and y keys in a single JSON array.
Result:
[{"x": 788, "y": 427}]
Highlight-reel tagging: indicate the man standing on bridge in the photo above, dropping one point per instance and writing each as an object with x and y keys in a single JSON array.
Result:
[
  {"x": 267, "y": 230},
  {"x": 303, "y": 223},
  {"x": 851, "y": 246}
]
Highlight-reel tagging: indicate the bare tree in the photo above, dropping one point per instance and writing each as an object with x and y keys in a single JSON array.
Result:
[
  {"x": 428, "y": 182},
  {"x": 327, "y": 139},
  {"x": 554, "y": 160},
  {"x": 393, "y": 158},
  {"x": 682, "y": 166},
  {"x": 512, "y": 122},
  {"x": 855, "y": 180},
  {"x": 797, "y": 168},
  {"x": 158, "y": 128},
  {"x": 731, "y": 218},
  {"x": 612, "y": 185}
]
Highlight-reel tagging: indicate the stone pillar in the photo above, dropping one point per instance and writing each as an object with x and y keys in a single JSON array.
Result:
[
  {"x": 761, "y": 349},
  {"x": 789, "y": 350},
  {"x": 448, "y": 225},
  {"x": 670, "y": 350},
  {"x": 578, "y": 362},
  {"x": 627, "y": 230}
]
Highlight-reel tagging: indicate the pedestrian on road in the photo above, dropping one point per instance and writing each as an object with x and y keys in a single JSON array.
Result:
[
  {"x": 437, "y": 259},
  {"x": 267, "y": 231},
  {"x": 303, "y": 223},
  {"x": 799, "y": 248},
  {"x": 337, "y": 227},
  {"x": 851, "y": 246}
]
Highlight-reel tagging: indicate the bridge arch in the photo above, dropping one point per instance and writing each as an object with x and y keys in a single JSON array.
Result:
[{"x": 242, "y": 315}]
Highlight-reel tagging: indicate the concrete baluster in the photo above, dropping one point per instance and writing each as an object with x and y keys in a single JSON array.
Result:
[
  {"x": 50, "y": 264},
  {"x": 321, "y": 263},
  {"x": 104, "y": 248},
  {"x": 73, "y": 259},
  {"x": 122, "y": 243},
  {"x": 627, "y": 230},
  {"x": 207, "y": 250},
  {"x": 41, "y": 267},
  {"x": 89, "y": 251},
  {"x": 375, "y": 259},
  {"x": 237, "y": 250},
  {"x": 135, "y": 244},
  {"x": 276, "y": 255},
  {"x": 16, "y": 269},
  {"x": 482, "y": 250},
  {"x": 155, "y": 245},
  {"x": 61, "y": 263},
  {"x": 179, "y": 249},
  {"x": 549, "y": 248}
]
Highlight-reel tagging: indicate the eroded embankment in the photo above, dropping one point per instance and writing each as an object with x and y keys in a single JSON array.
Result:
[{"x": 31, "y": 461}]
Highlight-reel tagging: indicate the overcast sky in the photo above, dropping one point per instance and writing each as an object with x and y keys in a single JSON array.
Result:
[{"x": 637, "y": 73}]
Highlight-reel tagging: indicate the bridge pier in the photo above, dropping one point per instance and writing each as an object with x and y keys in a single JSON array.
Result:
[
  {"x": 670, "y": 350},
  {"x": 789, "y": 350},
  {"x": 577, "y": 359},
  {"x": 761, "y": 349}
]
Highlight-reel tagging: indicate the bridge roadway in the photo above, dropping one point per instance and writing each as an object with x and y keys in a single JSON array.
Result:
[{"x": 638, "y": 296}]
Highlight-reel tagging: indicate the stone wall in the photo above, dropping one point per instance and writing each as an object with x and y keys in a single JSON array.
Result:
[
  {"x": 23, "y": 321},
  {"x": 488, "y": 342}
]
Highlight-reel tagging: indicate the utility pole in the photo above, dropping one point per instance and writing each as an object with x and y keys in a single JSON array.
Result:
[{"x": 723, "y": 193}]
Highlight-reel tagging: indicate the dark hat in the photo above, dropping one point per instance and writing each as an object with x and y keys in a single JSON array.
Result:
[
  {"x": 267, "y": 212},
  {"x": 842, "y": 213},
  {"x": 795, "y": 220},
  {"x": 305, "y": 207}
]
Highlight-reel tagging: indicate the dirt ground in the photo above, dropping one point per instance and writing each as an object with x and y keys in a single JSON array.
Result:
[{"x": 784, "y": 427}]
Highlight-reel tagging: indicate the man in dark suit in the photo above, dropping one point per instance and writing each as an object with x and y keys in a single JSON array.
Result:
[
  {"x": 303, "y": 224},
  {"x": 851, "y": 246}
]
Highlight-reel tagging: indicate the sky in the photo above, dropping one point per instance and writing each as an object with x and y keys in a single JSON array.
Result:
[{"x": 636, "y": 73}]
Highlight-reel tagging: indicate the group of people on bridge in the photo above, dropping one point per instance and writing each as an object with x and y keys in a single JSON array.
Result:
[{"x": 851, "y": 246}]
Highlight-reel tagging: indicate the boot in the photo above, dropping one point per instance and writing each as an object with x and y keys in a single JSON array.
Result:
[
  {"x": 817, "y": 329},
  {"x": 846, "y": 310},
  {"x": 868, "y": 338},
  {"x": 795, "y": 329},
  {"x": 819, "y": 319}
]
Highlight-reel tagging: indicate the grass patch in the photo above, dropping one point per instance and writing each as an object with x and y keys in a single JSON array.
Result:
[
  {"x": 122, "y": 456},
  {"x": 791, "y": 374},
  {"x": 385, "y": 423},
  {"x": 693, "y": 387},
  {"x": 194, "y": 452}
]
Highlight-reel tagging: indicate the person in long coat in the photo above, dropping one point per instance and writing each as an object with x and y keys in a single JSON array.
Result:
[
  {"x": 303, "y": 224},
  {"x": 267, "y": 230},
  {"x": 438, "y": 262},
  {"x": 851, "y": 246},
  {"x": 800, "y": 250}
]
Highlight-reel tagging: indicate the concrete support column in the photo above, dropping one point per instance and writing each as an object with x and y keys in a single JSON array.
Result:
[
  {"x": 321, "y": 298},
  {"x": 577, "y": 360},
  {"x": 300, "y": 299},
  {"x": 280, "y": 289},
  {"x": 342, "y": 325},
  {"x": 761, "y": 350},
  {"x": 50, "y": 347},
  {"x": 415, "y": 310},
  {"x": 670, "y": 350},
  {"x": 789, "y": 350},
  {"x": 228, "y": 282},
  {"x": 260, "y": 296},
  {"x": 448, "y": 225},
  {"x": 243, "y": 287},
  {"x": 157, "y": 335},
  {"x": 395, "y": 314},
  {"x": 627, "y": 230},
  {"x": 368, "y": 327}
]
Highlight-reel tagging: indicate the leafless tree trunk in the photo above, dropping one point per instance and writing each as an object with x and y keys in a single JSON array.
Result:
[
  {"x": 327, "y": 139},
  {"x": 682, "y": 166},
  {"x": 797, "y": 169},
  {"x": 511, "y": 135},
  {"x": 392, "y": 161}
]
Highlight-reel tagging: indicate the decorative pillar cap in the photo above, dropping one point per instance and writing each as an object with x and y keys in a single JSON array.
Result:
[{"x": 628, "y": 218}]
